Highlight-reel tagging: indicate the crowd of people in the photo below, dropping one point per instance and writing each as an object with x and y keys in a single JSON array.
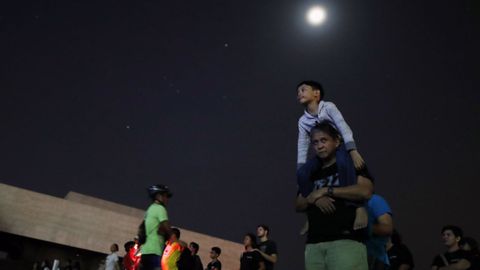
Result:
[
  {"x": 349, "y": 225},
  {"x": 159, "y": 246}
]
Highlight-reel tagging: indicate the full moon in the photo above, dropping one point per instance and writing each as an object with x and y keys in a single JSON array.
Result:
[{"x": 316, "y": 15}]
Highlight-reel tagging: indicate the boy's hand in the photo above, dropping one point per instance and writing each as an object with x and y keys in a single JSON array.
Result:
[
  {"x": 357, "y": 159},
  {"x": 361, "y": 218}
]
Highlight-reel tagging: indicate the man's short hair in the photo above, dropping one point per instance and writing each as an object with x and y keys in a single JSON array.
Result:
[
  {"x": 265, "y": 228},
  {"x": 176, "y": 231},
  {"x": 195, "y": 246},
  {"x": 327, "y": 127},
  {"x": 457, "y": 231},
  {"x": 217, "y": 250},
  {"x": 315, "y": 86}
]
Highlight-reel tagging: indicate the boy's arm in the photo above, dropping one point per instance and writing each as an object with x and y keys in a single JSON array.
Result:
[
  {"x": 303, "y": 144},
  {"x": 346, "y": 133},
  {"x": 341, "y": 125}
]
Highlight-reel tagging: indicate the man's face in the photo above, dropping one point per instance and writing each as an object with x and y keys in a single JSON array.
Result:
[
  {"x": 261, "y": 232},
  {"x": 163, "y": 197},
  {"x": 324, "y": 145},
  {"x": 306, "y": 94},
  {"x": 192, "y": 249},
  {"x": 449, "y": 239}
]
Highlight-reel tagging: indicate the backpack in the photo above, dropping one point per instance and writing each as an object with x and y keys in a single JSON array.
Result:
[{"x": 142, "y": 233}]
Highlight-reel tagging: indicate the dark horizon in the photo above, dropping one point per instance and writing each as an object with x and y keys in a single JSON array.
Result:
[{"x": 108, "y": 98}]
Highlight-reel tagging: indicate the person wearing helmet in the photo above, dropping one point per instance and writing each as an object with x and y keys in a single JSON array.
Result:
[{"x": 157, "y": 227}]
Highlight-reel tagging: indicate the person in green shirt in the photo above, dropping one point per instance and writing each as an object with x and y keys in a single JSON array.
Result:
[{"x": 156, "y": 227}]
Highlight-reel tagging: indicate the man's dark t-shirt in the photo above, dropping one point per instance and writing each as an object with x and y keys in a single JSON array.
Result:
[
  {"x": 398, "y": 255},
  {"x": 336, "y": 226},
  {"x": 250, "y": 260},
  {"x": 197, "y": 263},
  {"x": 451, "y": 257},
  {"x": 216, "y": 265},
  {"x": 269, "y": 247}
]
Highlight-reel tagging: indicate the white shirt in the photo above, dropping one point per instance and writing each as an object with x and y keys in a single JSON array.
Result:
[
  {"x": 112, "y": 259},
  {"x": 327, "y": 111}
]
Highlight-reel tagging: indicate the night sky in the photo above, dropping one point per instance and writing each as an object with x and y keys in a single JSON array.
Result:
[{"x": 108, "y": 98}]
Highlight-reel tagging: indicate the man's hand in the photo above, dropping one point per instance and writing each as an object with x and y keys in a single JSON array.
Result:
[
  {"x": 326, "y": 205},
  {"x": 316, "y": 194},
  {"x": 361, "y": 218},
  {"x": 358, "y": 161}
]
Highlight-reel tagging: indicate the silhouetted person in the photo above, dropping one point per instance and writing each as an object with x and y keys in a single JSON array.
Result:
[
  {"x": 251, "y": 258},
  {"x": 197, "y": 262},
  {"x": 454, "y": 257},
  {"x": 399, "y": 255},
  {"x": 214, "y": 264},
  {"x": 267, "y": 247},
  {"x": 156, "y": 227}
]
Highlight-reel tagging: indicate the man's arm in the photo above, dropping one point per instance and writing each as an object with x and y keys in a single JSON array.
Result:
[
  {"x": 404, "y": 267},
  {"x": 362, "y": 190},
  {"x": 271, "y": 258},
  {"x": 165, "y": 229},
  {"x": 261, "y": 265},
  {"x": 463, "y": 264},
  {"x": 301, "y": 203},
  {"x": 384, "y": 227}
]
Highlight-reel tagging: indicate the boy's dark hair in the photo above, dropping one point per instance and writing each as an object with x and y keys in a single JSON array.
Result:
[
  {"x": 195, "y": 246},
  {"x": 265, "y": 228},
  {"x": 253, "y": 239},
  {"x": 176, "y": 231},
  {"x": 327, "y": 127},
  {"x": 128, "y": 245},
  {"x": 471, "y": 242},
  {"x": 457, "y": 231},
  {"x": 316, "y": 86},
  {"x": 217, "y": 250}
]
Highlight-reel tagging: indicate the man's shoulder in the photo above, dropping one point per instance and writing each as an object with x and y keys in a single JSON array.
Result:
[
  {"x": 268, "y": 243},
  {"x": 156, "y": 208},
  {"x": 458, "y": 254}
]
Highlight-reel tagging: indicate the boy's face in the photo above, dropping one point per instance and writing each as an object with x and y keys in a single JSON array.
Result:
[
  {"x": 306, "y": 94},
  {"x": 213, "y": 255}
]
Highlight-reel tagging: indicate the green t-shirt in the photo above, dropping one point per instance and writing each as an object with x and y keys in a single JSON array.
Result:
[{"x": 155, "y": 243}]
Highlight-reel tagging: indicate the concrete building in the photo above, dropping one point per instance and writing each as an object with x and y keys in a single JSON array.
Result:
[{"x": 37, "y": 226}]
